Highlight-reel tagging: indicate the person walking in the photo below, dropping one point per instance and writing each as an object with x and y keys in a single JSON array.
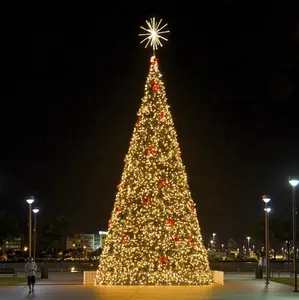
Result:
[{"x": 30, "y": 269}]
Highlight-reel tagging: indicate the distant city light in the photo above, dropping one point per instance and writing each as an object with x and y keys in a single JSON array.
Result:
[{"x": 103, "y": 232}]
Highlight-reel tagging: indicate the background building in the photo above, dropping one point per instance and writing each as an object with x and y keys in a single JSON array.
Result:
[
  {"x": 99, "y": 240},
  {"x": 80, "y": 241},
  {"x": 12, "y": 244}
]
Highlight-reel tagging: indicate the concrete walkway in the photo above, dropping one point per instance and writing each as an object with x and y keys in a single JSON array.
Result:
[{"x": 236, "y": 288}]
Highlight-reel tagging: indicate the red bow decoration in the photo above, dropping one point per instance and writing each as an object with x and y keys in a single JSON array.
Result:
[
  {"x": 154, "y": 61},
  {"x": 162, "y": 116},
  {"x": 163, "y": 182},
  {"x": 190, "y": 240},
  {"x": 191, "y": 206},
  {"x": 138, "y": 121},
  {"x": 155, "y": 86},
  {"x": 150, "y": 151},
  {"x": 164, "y": 260},
  {"x": 118, "y": 186},
  {"x": 123, "y": 239},
  {"x": 170, "y": 221},
  {"x": 117, "y": 209},
  {"x": 176, "y": 239},
  {"x": 147, "y": 200}
]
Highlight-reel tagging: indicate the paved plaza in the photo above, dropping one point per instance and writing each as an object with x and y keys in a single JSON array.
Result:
[{"x": 237, "y": 287}]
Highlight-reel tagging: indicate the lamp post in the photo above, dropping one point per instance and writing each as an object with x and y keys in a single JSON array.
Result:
[
  {"x": 84, "y": 247},
  {"x": 248, "y": 240},
  {"x": 35, "y": 210},
  {"x": 30, "y": 200},
  {"x": 293, "y": 182},
  {"x": 214, "y": 240},
  {"x": 267, "y": 209}
]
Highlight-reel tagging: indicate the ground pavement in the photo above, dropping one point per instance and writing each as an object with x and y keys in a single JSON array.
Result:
[{"x": 67, "y": 287}]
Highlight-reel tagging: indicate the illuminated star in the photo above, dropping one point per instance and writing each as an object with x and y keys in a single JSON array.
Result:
[{"x": 154, "y": 34}]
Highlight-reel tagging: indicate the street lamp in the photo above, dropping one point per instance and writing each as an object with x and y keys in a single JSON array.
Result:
[
  {"x": 35, "y": 210},
  {"x": 293, "y": 182},
  {"x": 214, "y": 240},
  {"x": 30, "y": 200},
  {"x": 267, "y": 209},
  {"x": 248, "y": 239},
  {"x": 214, "y": 235},
  {"x": 84, "y": 247}
]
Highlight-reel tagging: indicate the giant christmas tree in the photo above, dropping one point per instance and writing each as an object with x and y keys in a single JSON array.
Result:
[{"x": 154, "y": 236}]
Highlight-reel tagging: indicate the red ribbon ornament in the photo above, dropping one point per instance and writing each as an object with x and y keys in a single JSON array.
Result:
[
  {"x": 164, "y": 260},
  {"x": 163, "y": 182},
  {"x": 170, "y": 221},
  {"x": 147, "y": 201},
  {"x": 150, "y": 151},
  {"x": 191, "y": 206}
]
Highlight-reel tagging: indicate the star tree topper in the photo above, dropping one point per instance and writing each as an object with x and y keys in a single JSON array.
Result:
[{"x": 154, "y": 34}]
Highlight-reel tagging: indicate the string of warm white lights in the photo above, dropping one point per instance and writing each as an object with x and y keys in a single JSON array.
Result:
[{"x": 154, "y": 236}]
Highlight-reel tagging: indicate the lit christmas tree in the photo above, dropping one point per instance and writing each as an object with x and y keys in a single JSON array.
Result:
[{"x": 154, "y": 236}]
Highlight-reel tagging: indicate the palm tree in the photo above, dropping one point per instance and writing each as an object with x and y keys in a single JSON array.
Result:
[
  {"x": 9, "y": 226},
  {"x": 279, "y": 232},
  {"x": 53, "y": 233}
]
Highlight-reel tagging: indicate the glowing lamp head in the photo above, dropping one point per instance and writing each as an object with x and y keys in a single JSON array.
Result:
[
  {"x": 30, "y": 200},
  {"x": 266, "y": 198},
  {"x": 268, "y": 209},
  {"x": 293, "y": 182},
  {"x": 35, "y": 210}
]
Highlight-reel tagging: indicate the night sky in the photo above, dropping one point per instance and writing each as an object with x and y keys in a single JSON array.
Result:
[{"x": 72, "y": 85}]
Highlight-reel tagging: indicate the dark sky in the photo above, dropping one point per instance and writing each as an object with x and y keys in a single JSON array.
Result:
[{"x": 72, "y": 85}]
